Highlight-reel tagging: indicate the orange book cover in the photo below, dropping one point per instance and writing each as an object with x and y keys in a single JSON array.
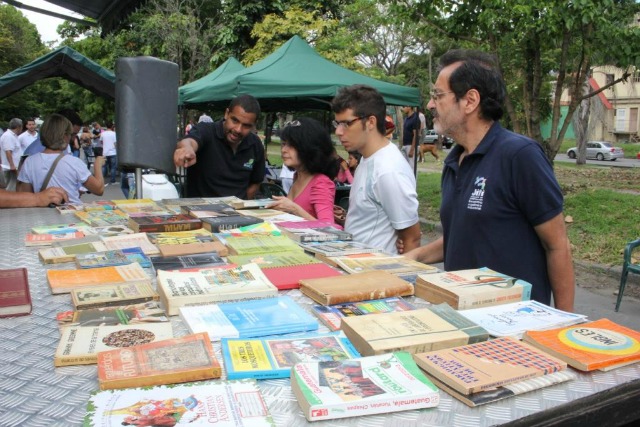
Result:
[
  {"x": 589, "y": 346},
  {"x": 175, "y": 360},
  {"x": 63, "y": 281}
]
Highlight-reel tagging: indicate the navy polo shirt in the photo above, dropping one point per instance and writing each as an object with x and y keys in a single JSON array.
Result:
[
  {"x": 491, "y": 204},
  {"x": 410, "y": 123},
  {"x": 219, "y": 171}
]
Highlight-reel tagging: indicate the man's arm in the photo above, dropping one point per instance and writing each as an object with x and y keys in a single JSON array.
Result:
[
  {"x": 9, "y": 154},
  {"x": 430, "y": 253},
  {"x": 410, "y": 236},
  {"x": 413, "y": 142},
  {"x": 185, "y": 153},
  {"x": 553, "y": 236},
  {"x": 10, "y": 199}
]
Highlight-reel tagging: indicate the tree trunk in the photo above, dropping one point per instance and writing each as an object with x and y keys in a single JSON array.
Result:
[{"x": 581, "y": 124}]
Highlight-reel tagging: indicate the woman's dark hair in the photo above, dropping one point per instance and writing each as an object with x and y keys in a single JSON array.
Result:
[
  {"x": 357, "y": 156},
  {"x": 313, "y": 144}
]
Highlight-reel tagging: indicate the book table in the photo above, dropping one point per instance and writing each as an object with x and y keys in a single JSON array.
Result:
[{"x": 34, "y": 393}]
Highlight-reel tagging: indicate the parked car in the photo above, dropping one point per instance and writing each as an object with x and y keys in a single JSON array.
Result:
[
  {"x": 599, "y": 150},
  {"x": 431, "y": 138}
]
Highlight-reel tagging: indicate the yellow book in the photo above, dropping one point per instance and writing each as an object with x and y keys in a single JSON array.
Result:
[{"x": 64, "y": 281}]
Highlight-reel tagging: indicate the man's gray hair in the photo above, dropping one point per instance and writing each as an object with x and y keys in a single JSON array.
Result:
[{"x": 15, "y": 123}]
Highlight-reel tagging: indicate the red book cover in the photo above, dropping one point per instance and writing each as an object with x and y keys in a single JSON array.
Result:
[
  {"x": 288, "y": 277},
  {"x": 15, "y": 299}
]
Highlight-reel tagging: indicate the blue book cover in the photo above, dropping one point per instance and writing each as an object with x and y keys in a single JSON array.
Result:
[
  {"x": 248, "y": 318},
  {"x": 113, "y": 258},
  {"x": 273, "y": 357}
]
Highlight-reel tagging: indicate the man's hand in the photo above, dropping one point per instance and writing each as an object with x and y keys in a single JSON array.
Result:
[
  {"x": 185, "y": 154},
  {"x": 53, "y": 195}
]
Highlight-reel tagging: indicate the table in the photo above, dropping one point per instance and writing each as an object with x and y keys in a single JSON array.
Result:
[{"x": 34, "y": 393}]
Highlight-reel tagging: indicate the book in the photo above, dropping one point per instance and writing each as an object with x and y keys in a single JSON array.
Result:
[
  {"x": 178, "y": 289},
  {"x": 222, "y": 223},
  {"x": 515, "y": 318},
  {"x": 398, "y": 265},
  {"x": 248, "y": 319},
  {"x": 363, "y": 386},
  {"x": 258, "y": 244},
  {"x": 202, "y": 403},
  {"x": 337, "y": 248},
  {"x": 250, "y": 204},
  {"x": 473, "y": 288},
  {"x": 187, "y": 261},
  {"x": 331, "y": 315},
  {"x": 79, "y": 345},
  {"x": 271, "y": 215},
  {"x": 103, "y": 218},
  {"x": 113, "y": 258},
  {"x": 112, "y": 295},
  {"x": 175, "y": 360},
  {"x": 136, "y": 240},
  {"x": 15, "y": 298},
  {"x": 59, "y": 228},
  {"x": 63, "y": 281},
  {"x": 147, "y": 312},
  {"x": 355, "y": 287},
  {"x": 108, "y": 230},
  {"x": 98, "y": 205},
  {"x": 90, "y": 238},
  {"x": 208, "y": 210},
  {"x": 486, "y": 365},
  {"x": 332, "y": 261},
  {"x": 414, "y": 331},
  {"x": 589, "y": 346},
  {"x": 268, "y": 358},
  {"x": 68, "y": 253},
  {"x": 163, "y": 223},
  {"x": 187, "y": 243},
  {"x": 312, "y": 231},
  {"x": 141, "y": 207},
  {"x": 68, "y": 208},
  {"x": 49, "y": 239}
]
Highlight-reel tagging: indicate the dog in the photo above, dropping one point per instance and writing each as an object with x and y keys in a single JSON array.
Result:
[{"x": 427, "y": 148}]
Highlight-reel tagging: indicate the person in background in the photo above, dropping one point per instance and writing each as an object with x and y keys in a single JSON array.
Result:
[
  {"x": 389, "y": 127},
  {"x": 205, "y": 118},
  {"x": 383, "y": 203},
  {"x": 353, "y": 161},
  {"x": 69, "y": 173},
  {"x": 85, "y": 142},
  {"x": 348, "y": 167},
  {"x": 52, "y": 195},
  {"x": 306, "y": 147},
  {"x": 410, "y": 133},
  {"x": 423, "y": 126},
  {"x": 30, "y": 134},
  {"x": 286, "y": 178},
  {"x": 109, "y": 142},
  {"x": 501, "y": 204},
  {"x": 10, "y": 152},
  {"x": 37, "y": 145},
  {"x": 96, "y": 144}
]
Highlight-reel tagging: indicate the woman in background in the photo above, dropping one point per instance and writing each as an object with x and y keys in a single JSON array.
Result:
[{"x": 306, "y": 147}]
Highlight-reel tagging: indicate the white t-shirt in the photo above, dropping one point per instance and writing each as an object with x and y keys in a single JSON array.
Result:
[
  {"x": 286, "y": 178},
  {"x": 108, "y": 138},
  {"x": 9, "y": 142},
  {"x": 26, "y": 139},
  {"x": 383, "y": 199}
]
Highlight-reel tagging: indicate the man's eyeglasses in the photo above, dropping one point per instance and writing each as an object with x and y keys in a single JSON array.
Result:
[
  {"x": 437, "y": 95},
  {"x": 346, "y": 124}
]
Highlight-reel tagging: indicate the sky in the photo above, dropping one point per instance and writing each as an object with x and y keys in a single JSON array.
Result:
[{"x": 46, "y": 24}]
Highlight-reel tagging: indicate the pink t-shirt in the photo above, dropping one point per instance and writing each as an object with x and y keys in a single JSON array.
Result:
[{"x": 317, "y": 198}]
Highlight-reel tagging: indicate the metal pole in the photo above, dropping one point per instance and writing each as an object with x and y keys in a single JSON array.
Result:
[{"x": 139, "y": 194}]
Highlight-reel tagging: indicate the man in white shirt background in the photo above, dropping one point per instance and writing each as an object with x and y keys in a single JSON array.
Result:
[
  {"x": 29, "y": 135},
  {"x": 108, "y": 139},
  {"x": 10, "y": 152}
]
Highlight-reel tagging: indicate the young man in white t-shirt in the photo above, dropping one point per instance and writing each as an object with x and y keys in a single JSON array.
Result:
[
  {"x": 108, "y": 140},
  {"x": 29, "y": 135}
]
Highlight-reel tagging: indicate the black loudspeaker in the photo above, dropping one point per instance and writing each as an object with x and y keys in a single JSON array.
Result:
[{"x": 146, "y": 113}]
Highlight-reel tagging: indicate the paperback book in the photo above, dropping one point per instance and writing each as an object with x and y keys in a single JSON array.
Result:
[
  {"x": 368, "y": 385},
  {"x": 163, "y": 223},
  {"x": 178, "y": 289},
  {"x": 113, "y": 258},
  {"x": 203, "y": 403},
  {"x": 136, "y": 240},
  {"x": 175, "y": 360},
  {"x": 112, "y": 295},
  {"x": 68, "y": 253},
  {"x": 338, "y": 248},
  {"x": 103, "y": 218},
  {"x": 250, "y": 204},
  {"x": 222, "y": 223},
  {"x": 108, "y": 230},
  {"x": 141, "y": 207},
  {"x": 208, "y": 210},
  {"x": 59, "y": 228},
  {"x": 332, "y": 315},
  {"x": 147, "y": 312},
  {"x": 312, "y": 231},
  {"x": 196, "y": 261},
  {"x": 269, "y": 358},
  {"x": 63, "y": 281},
  {"x": 49, "y": 239},
  {"x": 189, "y": 242},
  {"x": 259, "y": 244},
  {"x": 399, "y": 265},
  {"x": 15, "y": 298},
  {"x": 248, "y": 319}
]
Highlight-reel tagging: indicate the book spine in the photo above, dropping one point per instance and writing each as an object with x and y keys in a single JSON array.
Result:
[
  {"x": 143, "y": 380},
  {"x": 166, "y": 228},
  {"x": 382, "y": 406},
  {"x": 87, "y": 359},
  {"x": 84, "y": 306}
]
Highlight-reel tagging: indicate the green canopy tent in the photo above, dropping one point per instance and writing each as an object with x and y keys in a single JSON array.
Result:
[
  {"x": 230, "y": 66},
  {"x": 63, "y": 62},
  {"x": 294, "y": 77}
]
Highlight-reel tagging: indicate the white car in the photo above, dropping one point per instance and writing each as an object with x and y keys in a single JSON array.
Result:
[{"x": 599, "y": 150}]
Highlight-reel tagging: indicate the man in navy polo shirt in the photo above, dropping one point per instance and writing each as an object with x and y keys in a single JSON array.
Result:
[
  {"x": 230, "y": 158},
  {"x": 501, "y": 204}
]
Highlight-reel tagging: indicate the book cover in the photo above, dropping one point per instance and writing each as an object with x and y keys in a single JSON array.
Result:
[
  {"x": 248, "y": 319},
  {"x": 473, "y": 288},
  {"x": 79, "y": 345},
  {"x": 364, "y": 386},
  {"x": 331, "y": 315},
  {"x": 98, "y": 205},
  {"x": 63, "y": 281},
  {"x": 49, "y": 239},
  {"x": 113, "y": 258},
  {"x": 91, "y": 238},
  {"x": 203, "y": 403},
  {"x": 187, "y": 261},
  {"x": 589, "y": 346},
  {"x": 163, "y": 223},
  {"x": 68, "y": 208},
  {"x": 187, "y": 243},
  {"x": 175, "y": 360},
  {"x": 486, "y": 365},
  {"x": 147, "y": 312},
  {"x": 68, "y": 253},
  {"x": 59, "y": 228},
  {"x": 136, "y": 240},
  {"x": 338, "y": 248},
  {"x": 208, "y": 210},
  {"x": 15, "y": 298},
  {"x": 355, "y": 287},
  {"x": 271, "y": 215},
  {"x": 312, "y": 231},
  {"x": 250, "y": 204},
  {"x": 414, "y": 331},
  {"x": 515, "y": 318},
  {"x": 178, "y": 289},
  {"x": 103, "y": 218},
  {"x": 228, "y": 222},
  {"x": 274, "y": 357},
  {"x": 258, "y": 244},
  {"x": 108, "y": 230},
  {"x": 332, "y": 260},
  {"x": 112, "y": 295},
  {"x": 396, "y": 265}
]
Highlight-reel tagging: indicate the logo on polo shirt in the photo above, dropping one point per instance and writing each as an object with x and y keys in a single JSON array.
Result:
[
  {"x": 249, "y": 164},
  {"x": 477, "y": 196}
]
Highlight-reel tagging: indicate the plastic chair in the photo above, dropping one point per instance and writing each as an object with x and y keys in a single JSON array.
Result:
[
  {"x": 268, "y": 189},
  {"x": 627, "y": 266}
]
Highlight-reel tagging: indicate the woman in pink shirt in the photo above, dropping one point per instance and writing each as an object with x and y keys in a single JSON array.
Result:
[{"x": 307, "y": 148}]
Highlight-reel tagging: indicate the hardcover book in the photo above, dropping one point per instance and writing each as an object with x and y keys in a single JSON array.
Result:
[
  {"x": 248, "y": 319},
  {"x": 49, "y": 239},
  {"x": 103, "y": 218},
  {"x": 112, "y": 295},
  {"x": 113, "y": 258},
  {"x": 229, "y": 222},
  {"x": 414, "y": 331},
  {"x": 515, "y": 318},
  {"x": 15, "y": 298},
  {"x": 486, "y": 365},
  {"x": 147, "y": 312},
  {"x": 187, "y": 261},
  {"x": 203, "y": 403},
  {"x": 79, "y": 345},
  {"x": 332, "y": 315},
  {"x": 589, "y": 346},
  {"x": 337, "y": 248},
  {"x": 136, "y": 240},
  {"x": 473, "y": 288},
  {"x": 63, "y": 281},
  {"x": 355, "y": 287},
  {"x": 68, "y": 253},
  {"x": 163, "y": 223},
  {"x": 399, "y": 265},
  {"x": 178, "y": 289},
  {"x": 364, "y": 386},
  {"x": 259, "y": 244},
  {"x": 268, "y": 358},
  {"x": 175, "y": 360},
  {"x": 189, "y": 242}
]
